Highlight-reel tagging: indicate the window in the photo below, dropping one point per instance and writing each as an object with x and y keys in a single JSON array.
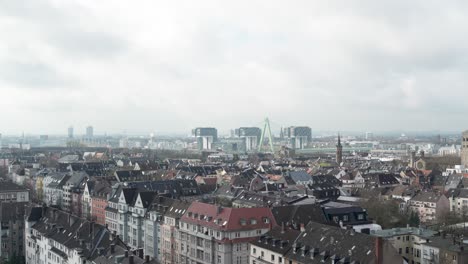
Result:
[
  {"x": 272, "y": 257},
  {"x": 360, "y": 217},
  {"x": 399, "y": 251},
  {"x": 345, "y": 218},
  {"x": 254, "y": 250},
  {"x": 262, "y": 254},
  {"x": 280, "y": 260}
]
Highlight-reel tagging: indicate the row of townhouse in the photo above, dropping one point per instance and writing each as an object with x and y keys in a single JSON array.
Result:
[
  {"x": 317, "y": 243},
  {"x": 63, "y": 190},
  {"x": 176, "y": 231},
  {"x": 53, "y": 236}
]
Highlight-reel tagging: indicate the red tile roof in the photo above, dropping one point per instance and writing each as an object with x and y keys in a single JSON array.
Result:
[
  {"x": 229, "y": 219},
  {"x": 210, "y": 180}
]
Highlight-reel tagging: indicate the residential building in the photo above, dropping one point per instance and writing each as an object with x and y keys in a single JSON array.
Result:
[
  {"x": 54, "y": 236},
  {"x": 75, "y": 183},
  {"x": 53, "y": 188},
  {"x": 213, "y": 234},
  {"x": 444, "y": 249},
  {"x": 152, "y": 225},
  {"x": 99, "y": 202},
  {"x": 319, "y": 243},
  {"x": 272, "y": 247},
  {"x": 458, "y": 199},
  {"x": 407, "y": 241},
  {"x": 170, "y": 235},
  {"x": 10, "y": 192},
  {"x": 430, "y": 206},
  {"x": 12, "y": 232},
  {"x": 346, "y": 215}
]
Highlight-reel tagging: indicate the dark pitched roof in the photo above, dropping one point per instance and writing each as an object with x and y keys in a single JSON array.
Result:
[
  {"x": 11, "y": 187},
  {"x": 277, "y": 240},
  {"x": 300, "y": 176},
  {"x": 295, "y": 215},
  {"x": 322, "y": 243}
]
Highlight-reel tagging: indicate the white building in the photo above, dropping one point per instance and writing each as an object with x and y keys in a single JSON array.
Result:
[{"x": 56, "y": 237}]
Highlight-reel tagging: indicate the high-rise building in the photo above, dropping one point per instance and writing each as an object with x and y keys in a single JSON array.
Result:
[
  {"x": 89, "y": 132},
  {"x": 70, "y": 132},
  {"x": 251, "y": 135},
  {"x": 205, "y": 136},
  {"x": 464, "y": 149},
  {"x": 369, "y": 136},
  {"x": 298, "y": 137}
]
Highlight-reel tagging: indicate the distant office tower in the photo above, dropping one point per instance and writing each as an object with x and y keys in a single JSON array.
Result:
[
  {"x": 251, "y": 135},
  {"x": 89, "y": 132},
  {"x": 0, "y": 140},
  {"x": 464, "y": 149},
  {"x": 206, "y": 136},
  {"x": 298, "y": 137},
  {"x": 369, "y": 136},
  {"x": 70, "y": 132}
]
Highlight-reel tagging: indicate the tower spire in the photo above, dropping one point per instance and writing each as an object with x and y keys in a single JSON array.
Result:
[{"x": 339, "y": 151}]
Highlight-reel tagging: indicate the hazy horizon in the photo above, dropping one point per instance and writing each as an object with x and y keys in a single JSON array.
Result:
[{"x": 168, "y": 67}]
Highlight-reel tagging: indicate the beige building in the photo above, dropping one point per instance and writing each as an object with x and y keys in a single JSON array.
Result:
[
  {"x": 407, "y": 241},
  {"x": 429, "y": 206}
]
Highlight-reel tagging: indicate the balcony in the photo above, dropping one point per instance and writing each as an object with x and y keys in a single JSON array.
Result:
[{"x": 430, "y": 256}]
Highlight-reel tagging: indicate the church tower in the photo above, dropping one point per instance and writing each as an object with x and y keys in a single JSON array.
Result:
[{"x": 339, "y": 151}]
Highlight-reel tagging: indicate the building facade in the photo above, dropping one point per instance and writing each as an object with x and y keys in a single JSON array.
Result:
[
  {"x": 464, "y": 149},
  {"x": 212, "y": 234}
]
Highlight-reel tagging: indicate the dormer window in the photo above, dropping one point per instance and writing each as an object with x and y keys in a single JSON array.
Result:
[
  {"x": 253, "y": 221},
  {"x": 266, "y": 220}
]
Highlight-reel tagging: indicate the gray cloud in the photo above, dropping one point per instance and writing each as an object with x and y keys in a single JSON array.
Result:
[{"x": 166, "y": 67}]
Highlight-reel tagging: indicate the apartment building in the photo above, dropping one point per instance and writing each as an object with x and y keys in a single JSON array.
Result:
[
  {"x": 407, "y": 241},
  {"x": 430, "y": 206},
  {"x": 11, "y": 192},
  {"x": 458, "y": 199},
  {"x": 213, "y": 234},
  {"x": 12, "y": 223},
  {"x": 56, "y": 237}
]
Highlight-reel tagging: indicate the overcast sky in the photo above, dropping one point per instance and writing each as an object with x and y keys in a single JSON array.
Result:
[{"x": 169, "y": 66}]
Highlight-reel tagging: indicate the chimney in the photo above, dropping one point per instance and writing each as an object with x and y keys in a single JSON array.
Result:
[
  {"x": 282, "y": 227},
  {"x": 378, "y": 250},
  {"x": 219, "y": 210},
  {"x": 130, "y": 260},
  {"x": 302, "y": 228},
  {"x": 112, "y": 248},
  {"x": 147, "y": 259}
]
